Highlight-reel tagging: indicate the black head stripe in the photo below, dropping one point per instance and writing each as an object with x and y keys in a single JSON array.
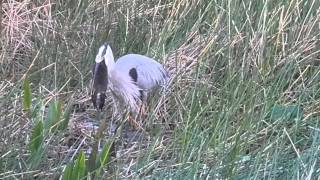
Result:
[
  {"x": 100, "y": 77},
  {"x": 133, "y": 74},
  {"x": 104, "y": 51},
  {"x": 106, "y": 45}
]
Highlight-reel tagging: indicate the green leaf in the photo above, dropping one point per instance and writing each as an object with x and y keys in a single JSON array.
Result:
[
  {"x": 67, "y": 173},
  {"x": 92, "y": 161},
  {"x": 36, "y": 137},
  {"x": 79, "y": 168},
  {"x": 36, "y": 158},
  {"x": 36, "y": 145},
  {"x": 66, "y": 117},
  {"x": 103, "y": 159},
  {"x": 27, "y": 96},
  {"x": 36, "y": 108},
  {"x": 104, "y": 155},
  {"x": 286, "y": 112},
  {"x": 54, "y": 114}
]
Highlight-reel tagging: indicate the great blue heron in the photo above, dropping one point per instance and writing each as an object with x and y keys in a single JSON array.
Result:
[{"x": 130, "y": 79}]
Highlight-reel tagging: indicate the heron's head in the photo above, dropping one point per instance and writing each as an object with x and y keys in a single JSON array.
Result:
[{"x": 100, "y": 76}]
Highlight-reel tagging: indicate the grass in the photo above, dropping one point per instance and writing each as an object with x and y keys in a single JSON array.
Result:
[{"x": 243, "y": 103}]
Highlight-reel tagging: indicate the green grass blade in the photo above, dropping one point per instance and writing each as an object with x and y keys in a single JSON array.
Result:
[
  {"x": 36, "y": 137},
  {"x": 54, "y": 115},
  {"x": 36, "y": 144},
  {"x": 65, "y": 121},
  {"x": 105, "y": 154},
  {"x": 27, "y": 96},
  {"x": 79, "y": 168},
  {"x": 67, "y": 173}
]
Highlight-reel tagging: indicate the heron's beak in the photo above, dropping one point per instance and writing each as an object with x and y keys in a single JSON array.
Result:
[{"x": 99, "y": 85}]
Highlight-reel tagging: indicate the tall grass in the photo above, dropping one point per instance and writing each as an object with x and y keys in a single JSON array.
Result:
[{"x": 243, "y": 102}]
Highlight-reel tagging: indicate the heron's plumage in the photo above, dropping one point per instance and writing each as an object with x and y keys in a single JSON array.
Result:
[
  {"x": 150, "y": 73},
  {"x": 123, "y": 88},
  {"x": 130, "y": 75}
]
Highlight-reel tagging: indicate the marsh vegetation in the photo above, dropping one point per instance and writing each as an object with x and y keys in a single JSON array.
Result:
[{"x": 243, "y": 103}]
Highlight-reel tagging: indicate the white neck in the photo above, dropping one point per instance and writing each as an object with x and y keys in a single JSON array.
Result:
[
  {"x": 120, "y": 84},
  {"x": 109, "y": 59}
]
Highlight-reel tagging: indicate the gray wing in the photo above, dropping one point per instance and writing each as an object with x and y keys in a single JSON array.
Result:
[{"x": 149, "y": 72}]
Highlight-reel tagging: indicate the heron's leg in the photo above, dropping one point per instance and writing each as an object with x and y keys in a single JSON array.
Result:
[
  {"x": 132, "y": 120},
  {"x": 143, "y": 106},
  {"x": 136, "y": 118},
  {"x": 143, "y": 111}
]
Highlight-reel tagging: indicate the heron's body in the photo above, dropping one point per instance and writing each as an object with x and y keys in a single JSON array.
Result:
[
  {"x": 130, "y": 78},
  {"x": 133, "y": 76},
  {"x": 149, "y": 72}
]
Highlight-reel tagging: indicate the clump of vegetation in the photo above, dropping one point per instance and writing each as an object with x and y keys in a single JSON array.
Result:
[{"x": 243, "y": 102}]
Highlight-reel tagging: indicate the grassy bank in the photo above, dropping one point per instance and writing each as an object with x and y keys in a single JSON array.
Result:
[{"x": 243, "y": 103}]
